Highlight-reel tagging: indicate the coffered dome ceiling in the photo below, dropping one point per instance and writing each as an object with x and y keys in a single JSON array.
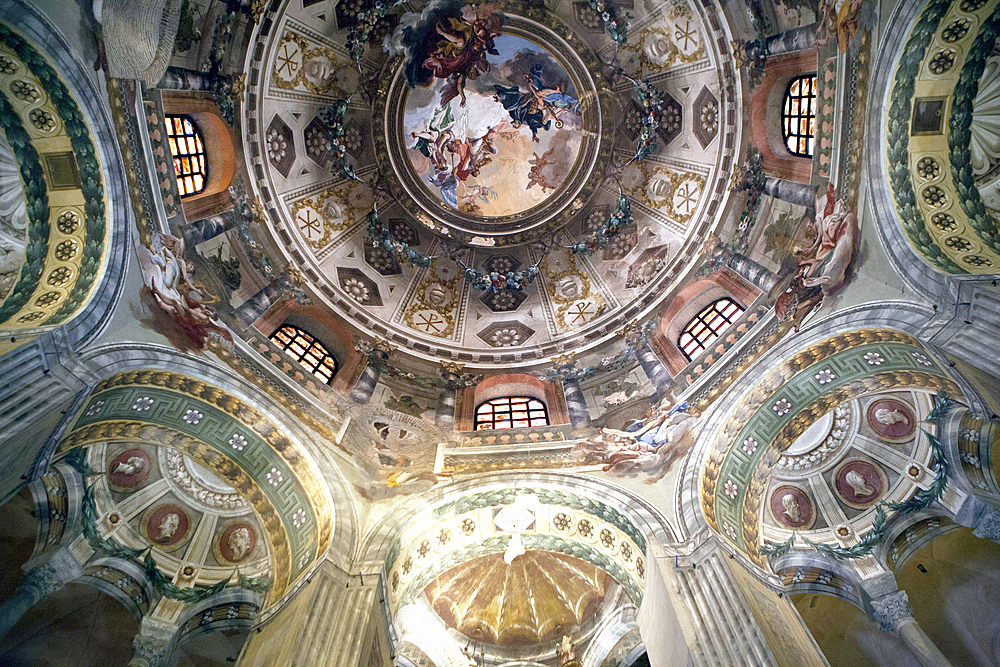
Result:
[{"x": 499, "y": 170}]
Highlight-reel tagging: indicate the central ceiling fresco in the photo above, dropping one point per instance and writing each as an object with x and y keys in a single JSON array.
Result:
[{"x": 506, "y": 140}]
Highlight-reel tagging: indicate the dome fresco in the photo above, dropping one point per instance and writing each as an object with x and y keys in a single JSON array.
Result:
[{"x": 524, "y": 333}]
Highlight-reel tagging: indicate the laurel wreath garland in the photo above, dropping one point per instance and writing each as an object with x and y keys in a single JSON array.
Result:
[
  {"x": 880, "y": 526},
  {"x": 91, "y": 186},
  {"x": 960, "y": 133},
  {"x": 77, "y": 458}
]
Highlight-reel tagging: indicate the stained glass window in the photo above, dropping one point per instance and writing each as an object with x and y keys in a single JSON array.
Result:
[
  {"x": 188, "y": 150},
  {"x": 511, "y": 412},
  {"x": 705, "y": 327},
  {"x": 305, "y": 349},
  {"x": 798, "y": 116}
]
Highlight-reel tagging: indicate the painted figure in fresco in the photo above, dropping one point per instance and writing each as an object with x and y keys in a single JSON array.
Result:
[
  {"x": 650, "y": 446},
  {"x": 791, "y": 505},
  {"x": 133, "y": 465},
  {"x": 468, "y": 201},
  {"x": 239, "y": 542},
  {"x": 168, "y": 276},
  {"x": 890, "y": 417},
  {"x": 538, "y": 108},
  {"x": 857, "y": 481},
  {"x": 840, "y": 20},
  {"x": 451, "y": 42},
  {"x": 535, "y": 176},
  {"x": 168, "y": 526},
  {"x": 822, "y": 266}
]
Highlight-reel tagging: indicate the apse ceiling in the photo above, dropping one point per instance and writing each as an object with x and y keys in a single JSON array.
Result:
[{"x": 499, "y": 170}]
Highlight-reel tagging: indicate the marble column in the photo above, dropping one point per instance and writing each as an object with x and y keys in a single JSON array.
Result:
[
  {"x": 253, "y": 308},
  {"x": 893, "y": 613},
  {"x": 657, "y": 373},
  {"x": 179, "y": 78},
  {"x": 579, "y": 415},
  {"x": 801, "y": 194},
  {"x": 757, "y": 275},
  {"x": 365, "y": 386},
  {"x": 801, "y": 38},
  {"x": 40, "y": 581},
  {"x": 444, "y": 417},
  {"x": 208, "y": 228},
  {"x": 153, "y": 646}
]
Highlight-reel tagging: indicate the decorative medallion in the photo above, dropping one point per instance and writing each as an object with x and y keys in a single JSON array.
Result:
[
  {"x": 859, "y": 483},
  {"x": 237, "y": 542},
  {"x": 166, "y": 526},
  {"x": 128, "y": 470},
  {"x": 504, "y": 149},
  {"x": 892, "y": 419},
  {"x": 792, "y": 508}
]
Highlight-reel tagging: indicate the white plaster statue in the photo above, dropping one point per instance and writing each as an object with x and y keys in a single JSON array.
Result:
[
  {"x": 319, "y": 69},
  {"x": 857, "y": 482},
  {"x": 239, "y": 542},
  {"x": 130, "y": 467},
  {"x": 168, "y": 526},
  {"x": 332, "y": 211},
  {"x": 657, "y": 48},
  {"x": 791, "y": 506},
  {"x": 658, "y": 188},
  {"x": 890, "y": 417}
]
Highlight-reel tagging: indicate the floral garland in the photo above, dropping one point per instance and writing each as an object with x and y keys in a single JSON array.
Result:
[
  {"x": 378, "y": 357},
  {"x": 880, "y": 527},
  {"x": 619, "y": 220},
  {"x": 380, "y": 237},
  {"x": 197, "y": 593},
  {"x": 244, "y": 213},
  {"x": 620, "y": 361},
  {"x": 494, "y": 281},
  {"x": 615, "y": 20},
  {"x": 334, "y": 118},
  {"x": 365, "y": 21}
]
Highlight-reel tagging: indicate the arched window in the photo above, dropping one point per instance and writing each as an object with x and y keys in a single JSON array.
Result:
[
  {"x": 705, "y": 327},
  {"x": 511, "y": 412},
  {"x": 188, "y": 149},
  {"x": 798, "y": 116},
  {"x": 309, "y": 352}
]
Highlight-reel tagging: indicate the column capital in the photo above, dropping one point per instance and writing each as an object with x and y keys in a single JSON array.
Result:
[
  {"x": 58, "y": 569},
  {"x": 987, "y": 526},
  {"x": 891, "y": 610},
  {"x": 564, "y": 360}
]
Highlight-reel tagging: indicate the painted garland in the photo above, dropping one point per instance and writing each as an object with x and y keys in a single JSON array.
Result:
[
  {"x": 378, "y": 236},
  {"x": 90, "y": 182},
  {"x": 921, "y": 500},
  {"x": 77, "y": 458},
  {"x": 898, "y": 137}
]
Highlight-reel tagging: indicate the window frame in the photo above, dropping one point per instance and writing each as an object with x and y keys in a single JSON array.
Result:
[
  {"x": 301, "y": 358},
  {"x": 490, "y": 424},
  {"x": 705, "y": 319},
  {"x": 807, "y": 139},
  {"x": 197, "y": 137}
]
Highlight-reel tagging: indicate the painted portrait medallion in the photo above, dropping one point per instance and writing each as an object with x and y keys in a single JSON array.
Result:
[
  {"x": 237, "y": 542},
  {"x": 128, "y": 470},
  {"x": 792, "y": 508},
  {"x": 891, "y": 419},
  {"x": 859, "y": 483},
  {"x": 492, "y": 120},
  {"x": 167, "y": 525}
]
